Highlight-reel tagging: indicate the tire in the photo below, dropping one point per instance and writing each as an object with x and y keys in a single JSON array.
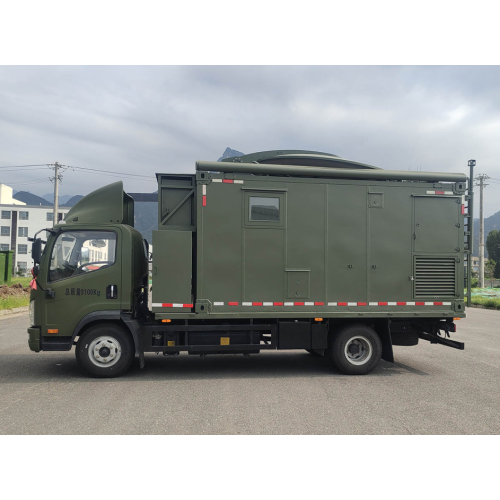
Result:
[
  {"x": 105, "y": 350},
  {"x": 355, "y": 349}
]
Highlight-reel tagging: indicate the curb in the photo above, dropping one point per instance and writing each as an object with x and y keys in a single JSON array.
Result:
[{"x": 5, "y": 312}]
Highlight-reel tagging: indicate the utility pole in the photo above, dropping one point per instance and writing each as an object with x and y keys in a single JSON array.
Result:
[
  {"x": 56, "y": 180},
  {"x": 481, "y": 178}
]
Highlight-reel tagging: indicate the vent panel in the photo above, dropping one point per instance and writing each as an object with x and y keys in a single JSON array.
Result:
[{"x": 435, "y": 277}]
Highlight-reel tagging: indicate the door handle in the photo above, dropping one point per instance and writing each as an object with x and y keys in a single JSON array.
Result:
[{"x": 111, "y": 292}]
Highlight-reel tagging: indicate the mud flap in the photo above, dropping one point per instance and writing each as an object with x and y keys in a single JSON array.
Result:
[{"x": 384, "y": 332}]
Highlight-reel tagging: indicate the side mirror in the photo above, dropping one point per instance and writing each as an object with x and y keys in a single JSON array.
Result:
[{"x": 36, "y": 251}]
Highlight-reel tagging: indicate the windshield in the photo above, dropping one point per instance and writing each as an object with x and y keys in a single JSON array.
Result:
[{"x": 78, "y": 252}]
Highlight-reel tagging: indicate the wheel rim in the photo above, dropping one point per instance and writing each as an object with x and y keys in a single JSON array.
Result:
[
  {"x": 358, "y": 350},
  {"x": 105, "y": 351}
]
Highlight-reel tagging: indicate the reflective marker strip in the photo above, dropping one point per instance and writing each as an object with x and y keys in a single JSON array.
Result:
[
  {"x": 204, "y": 189},
  {"x": 164, "y": 304},
  {"x": 299, "y": 304},
  {"x": 229, "y": 181},
  {"x": 204, "y": 201},
  {"x": 440, "y": 192}
]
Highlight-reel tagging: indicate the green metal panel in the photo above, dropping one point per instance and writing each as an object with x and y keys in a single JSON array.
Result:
[
  {"x": 347, "y": 251},
  {"x": 305, "y": 238},
  {"x": 172, "y": 267},
  {"x": 435, "y": 224},
  {"x": 176, "y": 202},
  {"x": 390, "y": 262},
  {"x": 6, "y": 266},
  {"x": 298, "y": 284},
  {"x": 219, "y": 243},
  {"x": 263, "y": 264}
]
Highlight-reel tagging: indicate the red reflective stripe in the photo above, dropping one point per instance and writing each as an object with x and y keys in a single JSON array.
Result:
[
  {"x": 256, "y": 303},
  {"x": 342, "y": 303},
  {"x": 463, "y": 209},
  {"x": 277, "y": 303},
  {"x": 439, "y": 192},
  {"x": 319, "y": 303},
  {"x": 187, "y": 305},
  {"x": 401, "y": 303},
  {"x": 232, "y": 303},
  {"x": 438, "y": 303},
  {"x": 227, "y": 181},
  {"x": 361, "y": 303},
  {"x": 382, "y": 303},
  {"x": 420, "y": 303},
  {"x": 204, "y": 201},
  {"x": 298, "y": 303},
  {"x": 167, "y": 305}
]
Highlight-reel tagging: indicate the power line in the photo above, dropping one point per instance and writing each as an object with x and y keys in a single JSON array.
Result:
[{"x": 24, "y": 166}]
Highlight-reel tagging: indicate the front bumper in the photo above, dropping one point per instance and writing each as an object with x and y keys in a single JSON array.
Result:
[{"x": 34, "y": 339}]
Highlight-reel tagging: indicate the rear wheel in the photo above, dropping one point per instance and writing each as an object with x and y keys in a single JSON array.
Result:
[
  {"x": 355, "y": 349},
  {"x": 105, "y": 350}
]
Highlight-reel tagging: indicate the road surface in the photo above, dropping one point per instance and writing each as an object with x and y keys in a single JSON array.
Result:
[{"x": 430, "y": 389}]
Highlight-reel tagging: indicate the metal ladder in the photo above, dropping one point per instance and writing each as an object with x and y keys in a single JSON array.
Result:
[{"x": 469, "y": 231}]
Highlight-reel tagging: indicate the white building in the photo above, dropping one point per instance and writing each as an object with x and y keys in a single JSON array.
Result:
[{"x": 17, "y": 222}]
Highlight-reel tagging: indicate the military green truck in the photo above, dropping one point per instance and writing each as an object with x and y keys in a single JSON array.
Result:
[{"x": 272, "y": 250}]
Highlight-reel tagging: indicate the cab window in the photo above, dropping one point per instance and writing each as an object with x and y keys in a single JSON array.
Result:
[{"x": 80, "y": 252}]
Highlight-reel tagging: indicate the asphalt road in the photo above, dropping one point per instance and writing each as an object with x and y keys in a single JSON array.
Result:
[{"x": 431, "y": 389}]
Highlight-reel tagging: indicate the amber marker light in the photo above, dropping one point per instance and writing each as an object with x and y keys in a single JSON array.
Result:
[
  {"x": 166, "y": 320},
  {"x": 53, "y": 331},
  {"x": 457, "y": 319},
  {"x": 318, "y": 319}
]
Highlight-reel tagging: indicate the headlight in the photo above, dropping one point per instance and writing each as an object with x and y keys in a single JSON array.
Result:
[{"x": 32, "y": 313}]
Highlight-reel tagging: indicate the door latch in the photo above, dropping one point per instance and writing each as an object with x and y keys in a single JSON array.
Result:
[{"x": 111, "y": 292}]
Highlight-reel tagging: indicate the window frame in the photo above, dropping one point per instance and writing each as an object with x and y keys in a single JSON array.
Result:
[
  {"x": 24, "y": 212},
  {"x": 1, "y": 230},
  {"x": 6, "y": 212},
  {"x": 19, "y": 249},
  {"x": 89, "y": 272},
  {"x": 255, "y": 193},
  {"x": 4, "y": 244},
  {"x": 19, "y": 230}
]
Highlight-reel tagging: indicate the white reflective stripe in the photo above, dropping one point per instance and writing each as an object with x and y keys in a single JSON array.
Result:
[
  {"x": 352, "y": 303},
  {"x": 392, "y": 303},
  {"x": 410, "y": 303},
  {"x": 446, "y": 303},
  {"x": 216, "y": 180},
  {"x": 246, "y": 303},
  {"x": 218, "y": 303},
  {"x": 308, "y": 303},
  {"x": 373, "y": 303},
  {"x": 463, "y": 199},
  {"x": 429, "y": 303},
  {"x": 332, "y": 303},
  {"x": 177, "y": 305},
  {"x": 448, "y": 192},
  {"x": 238, "y": 182},
  {"x": 204, "y": 189},
  {"x": 266, "y": 304},
  {"x": 157, "y": 304},
  {"x": 431, "y": 192},
  {"x": 289, "y": 304}
]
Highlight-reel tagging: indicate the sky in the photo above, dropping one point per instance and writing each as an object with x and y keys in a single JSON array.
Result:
[{"x": 146, "y": 119}]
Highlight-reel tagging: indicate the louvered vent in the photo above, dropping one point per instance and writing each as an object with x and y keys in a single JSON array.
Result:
[{"x": 435, "y": 277}]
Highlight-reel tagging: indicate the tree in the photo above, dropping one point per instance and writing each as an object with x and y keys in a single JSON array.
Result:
[
  {"x": 493, "y": 247},
  {"x": 489, "y": 268}
]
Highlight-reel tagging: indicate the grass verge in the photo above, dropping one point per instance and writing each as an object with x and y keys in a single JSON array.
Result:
[
  {"x": 485, "y": 302},
  {"x": 13, "y": 301}
]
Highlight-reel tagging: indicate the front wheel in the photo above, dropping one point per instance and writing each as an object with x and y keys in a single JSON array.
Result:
[
  {"x": 355, "y": 349},
  {"x": 105, "y": 350}
]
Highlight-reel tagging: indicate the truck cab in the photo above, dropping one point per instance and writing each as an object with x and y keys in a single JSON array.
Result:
[{"x": 94, "y": 268}]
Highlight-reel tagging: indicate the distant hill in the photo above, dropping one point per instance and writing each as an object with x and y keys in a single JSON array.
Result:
[
  {"x": 63, "y": 199},
  {"x": 490, "y": 223},
  {"x": 230, "y": 153},
  {"x": 31, "y": 199},
  {"x": 72, "y": 201}
]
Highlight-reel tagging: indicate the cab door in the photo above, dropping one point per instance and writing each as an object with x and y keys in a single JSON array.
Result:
[{"x": 82, "y": 274}]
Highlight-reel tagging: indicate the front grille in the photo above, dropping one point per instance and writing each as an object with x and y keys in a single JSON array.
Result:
[{"x": 435, "y": 277}]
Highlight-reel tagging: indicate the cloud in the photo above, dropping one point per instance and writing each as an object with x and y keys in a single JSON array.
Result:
[{"x": 145, "y": 120}]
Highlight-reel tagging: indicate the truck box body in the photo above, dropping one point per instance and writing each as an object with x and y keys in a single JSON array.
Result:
[{"x": 245, "y": 245}]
